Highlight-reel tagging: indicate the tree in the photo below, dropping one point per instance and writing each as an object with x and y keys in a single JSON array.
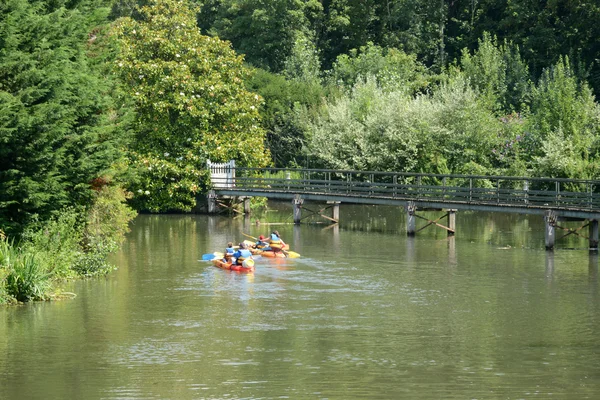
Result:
[
  {"x": 564, "y": 121},
  {"x": 392, "y": 68},
  {"x": 282, "y": 100},
  {"x": 498, "y": 73},
  {"x": 57, "y": 132},
  {"x": 265, "y": 31},
  {"x": 191, "y": 104}
]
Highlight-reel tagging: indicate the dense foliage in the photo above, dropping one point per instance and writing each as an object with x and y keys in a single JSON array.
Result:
[
  {"x": 191, "y": 105},
  {"x": 436, "y": 32},
  {"x": 506, "y": 54},
  {"x": 60, "y": 145},
  {"x": 56, "y": 133},
  {"x": 466, "y": 123}
]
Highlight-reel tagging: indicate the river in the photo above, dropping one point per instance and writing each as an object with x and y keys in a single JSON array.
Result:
[{"x": 365, "y": 313}]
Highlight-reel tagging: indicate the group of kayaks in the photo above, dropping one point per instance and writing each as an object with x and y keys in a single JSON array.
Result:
[{"x": 248, "y": 265}]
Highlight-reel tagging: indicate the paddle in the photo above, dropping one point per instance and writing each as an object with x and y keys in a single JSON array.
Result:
[
  {"x": 251, "y": 237},
  {"x": 210, "y": 256},
  {"x": 291, "y": 254}
]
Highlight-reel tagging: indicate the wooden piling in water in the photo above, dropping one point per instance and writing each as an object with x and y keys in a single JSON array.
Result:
[
  {"x": 451, "y": 222},
  {"x": 212, "y": 201},
  {"x": 411, "y": 219},
  {"x": 593, "y": 234},
  {"x": 247, "y": 206},
  {"x": 550, "y": 229},
  {"x": 297, "y": 202}
]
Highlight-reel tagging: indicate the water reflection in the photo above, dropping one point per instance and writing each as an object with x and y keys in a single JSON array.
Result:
[
  {"x": 549, "y": 266},
  {"x": 411, "y": 249},
  {"x": 452, "y": 250},
  {"x": 593, "y": 266}
]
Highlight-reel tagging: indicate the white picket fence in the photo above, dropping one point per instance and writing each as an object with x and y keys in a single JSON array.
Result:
[{"x": 222, "y": 175}]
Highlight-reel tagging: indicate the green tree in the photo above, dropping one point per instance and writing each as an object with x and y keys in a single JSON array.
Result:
[
  {"x": 57, "y": 131},
  {"x": 265, "y": 31},
  {"x": 283, "y": 99},
  {"x": 392, "y": 69},
  {"x": 498, "y": 73},
  {"x": 565, "y": 122},
  {"x": 191, "y": 104},
  {"x": 418, "y": 27},
  {"x": 349, "y": 24},
  {"x": 388, "y": 130},
  {"x": 303, "y": 63}
]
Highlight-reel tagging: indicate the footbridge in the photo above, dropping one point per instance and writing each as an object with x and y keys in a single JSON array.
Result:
[{"x": 554, "y": 199}]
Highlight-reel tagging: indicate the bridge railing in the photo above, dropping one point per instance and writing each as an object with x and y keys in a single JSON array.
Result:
[{"x": 472, "y": 189}]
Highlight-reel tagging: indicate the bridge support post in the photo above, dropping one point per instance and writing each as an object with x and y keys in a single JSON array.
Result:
[
  {"x": 593, "y": 234},
  {"x": 247, "y": 206},
  {"x": 411, "y": 219},
  {"x": 550, "y": 219},
  {"x": 212, "y": 201},
  {"x": 297, "y": 202},
  {"x": 451, "y": 221},
  {"x": 335, "y": 210}
]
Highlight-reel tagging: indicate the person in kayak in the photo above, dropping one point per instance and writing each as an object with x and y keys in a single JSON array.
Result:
[
  {"x": 228, "y": 253},
  {"x": 242, "y": 254},
  {"x": 261, "y": 242},
  {"x": 275, "y": 242}
]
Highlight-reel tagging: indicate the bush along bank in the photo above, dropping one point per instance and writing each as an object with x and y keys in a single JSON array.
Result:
[{"x": 74, "y": 244}]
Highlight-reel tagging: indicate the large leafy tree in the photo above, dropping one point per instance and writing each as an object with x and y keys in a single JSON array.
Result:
[
  {"x": 392, "y": 68},
  {"x": 191, "y": 103},
  {"x": 265, "y": 31},
  {"x": 283, "y": 100},
  {"x": 56, "y": 129},
  {"x": 564, "y": 121},
  {"x": 498, "y": 73}
]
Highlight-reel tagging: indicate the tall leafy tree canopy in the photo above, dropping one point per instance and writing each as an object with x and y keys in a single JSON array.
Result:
[
  {"x": 191, "y": 102},
  {"x": 436, "y": 31},
  {"x": 56, "y": 131},
  {"x": 265, "y": 31}
]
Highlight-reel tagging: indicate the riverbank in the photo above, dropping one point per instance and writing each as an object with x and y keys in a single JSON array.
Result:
[{"x": 73, "y": 245}]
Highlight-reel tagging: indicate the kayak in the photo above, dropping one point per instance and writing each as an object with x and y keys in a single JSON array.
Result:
[
  {"x": 268, "y": 253},
  {"x": 248, "y": 265},
  {"x": 252, "y": 246}
]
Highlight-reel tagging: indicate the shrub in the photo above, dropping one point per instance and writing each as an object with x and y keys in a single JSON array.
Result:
[
  {"x": 26, "y": 279},
  {"x": 107, "y": 223},
  {"x": 4, "y": 251},
  {"x": 22, "y": 275},
  {"x": 56, "y": 243}
]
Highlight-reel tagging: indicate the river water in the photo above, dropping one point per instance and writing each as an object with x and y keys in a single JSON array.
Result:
[{"x": 365, "y": 313}]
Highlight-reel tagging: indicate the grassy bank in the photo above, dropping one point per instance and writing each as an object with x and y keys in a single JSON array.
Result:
[{"x": 75, "y": 244}]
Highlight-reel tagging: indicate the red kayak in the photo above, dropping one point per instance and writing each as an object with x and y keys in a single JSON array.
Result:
[{"x": 248, "y": 265}]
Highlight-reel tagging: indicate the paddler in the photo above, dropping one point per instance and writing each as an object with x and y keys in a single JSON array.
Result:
[
  {"x": 242, "y": 254},
  {"x": 228, "y": 253},
  {"x": 261, "y": 242},
  {"x": 275, "y": 242}
]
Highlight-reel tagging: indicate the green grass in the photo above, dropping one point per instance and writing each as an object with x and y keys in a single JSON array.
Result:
[{"x": 22, "y": 276}]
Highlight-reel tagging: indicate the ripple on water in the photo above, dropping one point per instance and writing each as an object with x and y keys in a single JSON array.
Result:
[{"x": 154, "y": 352}]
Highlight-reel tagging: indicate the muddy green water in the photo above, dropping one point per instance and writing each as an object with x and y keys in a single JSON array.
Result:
[{"x": 366, "y": 313}]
